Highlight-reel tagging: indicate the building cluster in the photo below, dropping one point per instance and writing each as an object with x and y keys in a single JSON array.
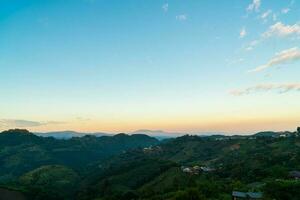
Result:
[
  {"x": 195, "y": 170},
  {"x": 295, "y": 175},
  {"x": 237, "y": 195},
  {"x": 152, "y": 149},
  {"x": 283, "y": 134},
  {"x": 287, "y": 134}
]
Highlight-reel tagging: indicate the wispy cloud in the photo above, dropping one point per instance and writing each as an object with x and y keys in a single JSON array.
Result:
[
  {"x": 279, "y": 88},
  {"x": 181, "y": 17},
  {"x": 20, "y": 123},
  {"x": 235, "y": 61},
  {"x": 285, "y": 10},
  {"x": 276, "y": 30},
  {"x": 165, "y": 7},
  {"x": 281, "y": 30},
  {"x": 252, "y": 44},
  {"x": 266, "y": 15},
  {"x": 282, "y": 57},
  {"x": 288, "y": 8},
  {"x": 254, "y": 6},
  {"x": 243, "y": 32}
]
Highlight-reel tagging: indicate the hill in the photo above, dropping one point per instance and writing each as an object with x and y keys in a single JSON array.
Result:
[
  {"x": 274, "y": 134},
  {"x": 243, "y": 164},
  {"x": 139, "y": 167},
  {"x": 22, "y": 151},
  {"x": 51, "y": 181}
]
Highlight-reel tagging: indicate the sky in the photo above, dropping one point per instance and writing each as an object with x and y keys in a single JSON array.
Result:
[{"x": 176, "y": 65}]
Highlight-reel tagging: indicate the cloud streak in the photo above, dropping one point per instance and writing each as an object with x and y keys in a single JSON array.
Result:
[
  {"x": 165, "y": 7},
  {"x": 278, "y": 29},
  {"x": 254, "y": 6},
  {"x": 266, "y": 15},
  {"x": 279, "y": 88},
  {"x": 281, "y": 30},
  {"x": 243, "y": 32},
  {"x": 252, "y": 44},
  {"x": 20, "y": 123},
  {"x": 181, "y": 17},
  {"x": 285, "y": 10},
  {"x": 283, "y": 57}
]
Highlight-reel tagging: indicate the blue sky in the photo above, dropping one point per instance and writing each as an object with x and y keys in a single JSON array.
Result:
[{"x": 182, "y": 65}]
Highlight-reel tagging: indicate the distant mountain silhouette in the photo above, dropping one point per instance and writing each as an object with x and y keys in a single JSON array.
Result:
[
  {"x": 69, "y": 134},
  {"x": 159, "y": 134}
]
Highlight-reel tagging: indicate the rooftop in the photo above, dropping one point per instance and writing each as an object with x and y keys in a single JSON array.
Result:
[{"x": 254, "y": 195}]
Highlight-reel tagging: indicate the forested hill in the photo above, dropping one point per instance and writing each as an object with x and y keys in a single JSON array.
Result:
[
  {"x": 22, "y": 151},
  {"x": 139, "y": 167},
  {"x": 170, "y": 170}
]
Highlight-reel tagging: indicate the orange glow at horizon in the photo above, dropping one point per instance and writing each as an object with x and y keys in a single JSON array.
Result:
[{"x": 179, "y": 125}]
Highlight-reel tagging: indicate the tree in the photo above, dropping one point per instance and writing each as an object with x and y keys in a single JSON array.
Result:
[
  {"x": 189, "y": 194},
  {"x": 298, "y": 130},
  {"x": 106, "y": 187},
  {"x": 283, "y": 190}
]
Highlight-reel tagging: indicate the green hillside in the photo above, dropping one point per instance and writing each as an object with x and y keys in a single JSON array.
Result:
[
  {"x": 22, "y": 151},
  {"x": 50, "y": 182},
  {"x": 139, "y": 167},
  {"x": 248, "y": 164}
]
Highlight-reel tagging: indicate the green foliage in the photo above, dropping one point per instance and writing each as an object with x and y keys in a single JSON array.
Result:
[
  {"x": 50, "y": 182},
  {"x": 171, "y": 180},
  {"x": 282, "y": 189},
  {"x": 189, "y": 194},
  {"x": 22, "y": 151},
  {"x": 123, "y": 177},
  {"x": 118, "y": 168},
  {"x": 241, "y": 164}
]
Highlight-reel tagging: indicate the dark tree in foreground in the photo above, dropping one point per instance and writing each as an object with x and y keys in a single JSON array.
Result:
[{"x": 298, "y": 130}]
